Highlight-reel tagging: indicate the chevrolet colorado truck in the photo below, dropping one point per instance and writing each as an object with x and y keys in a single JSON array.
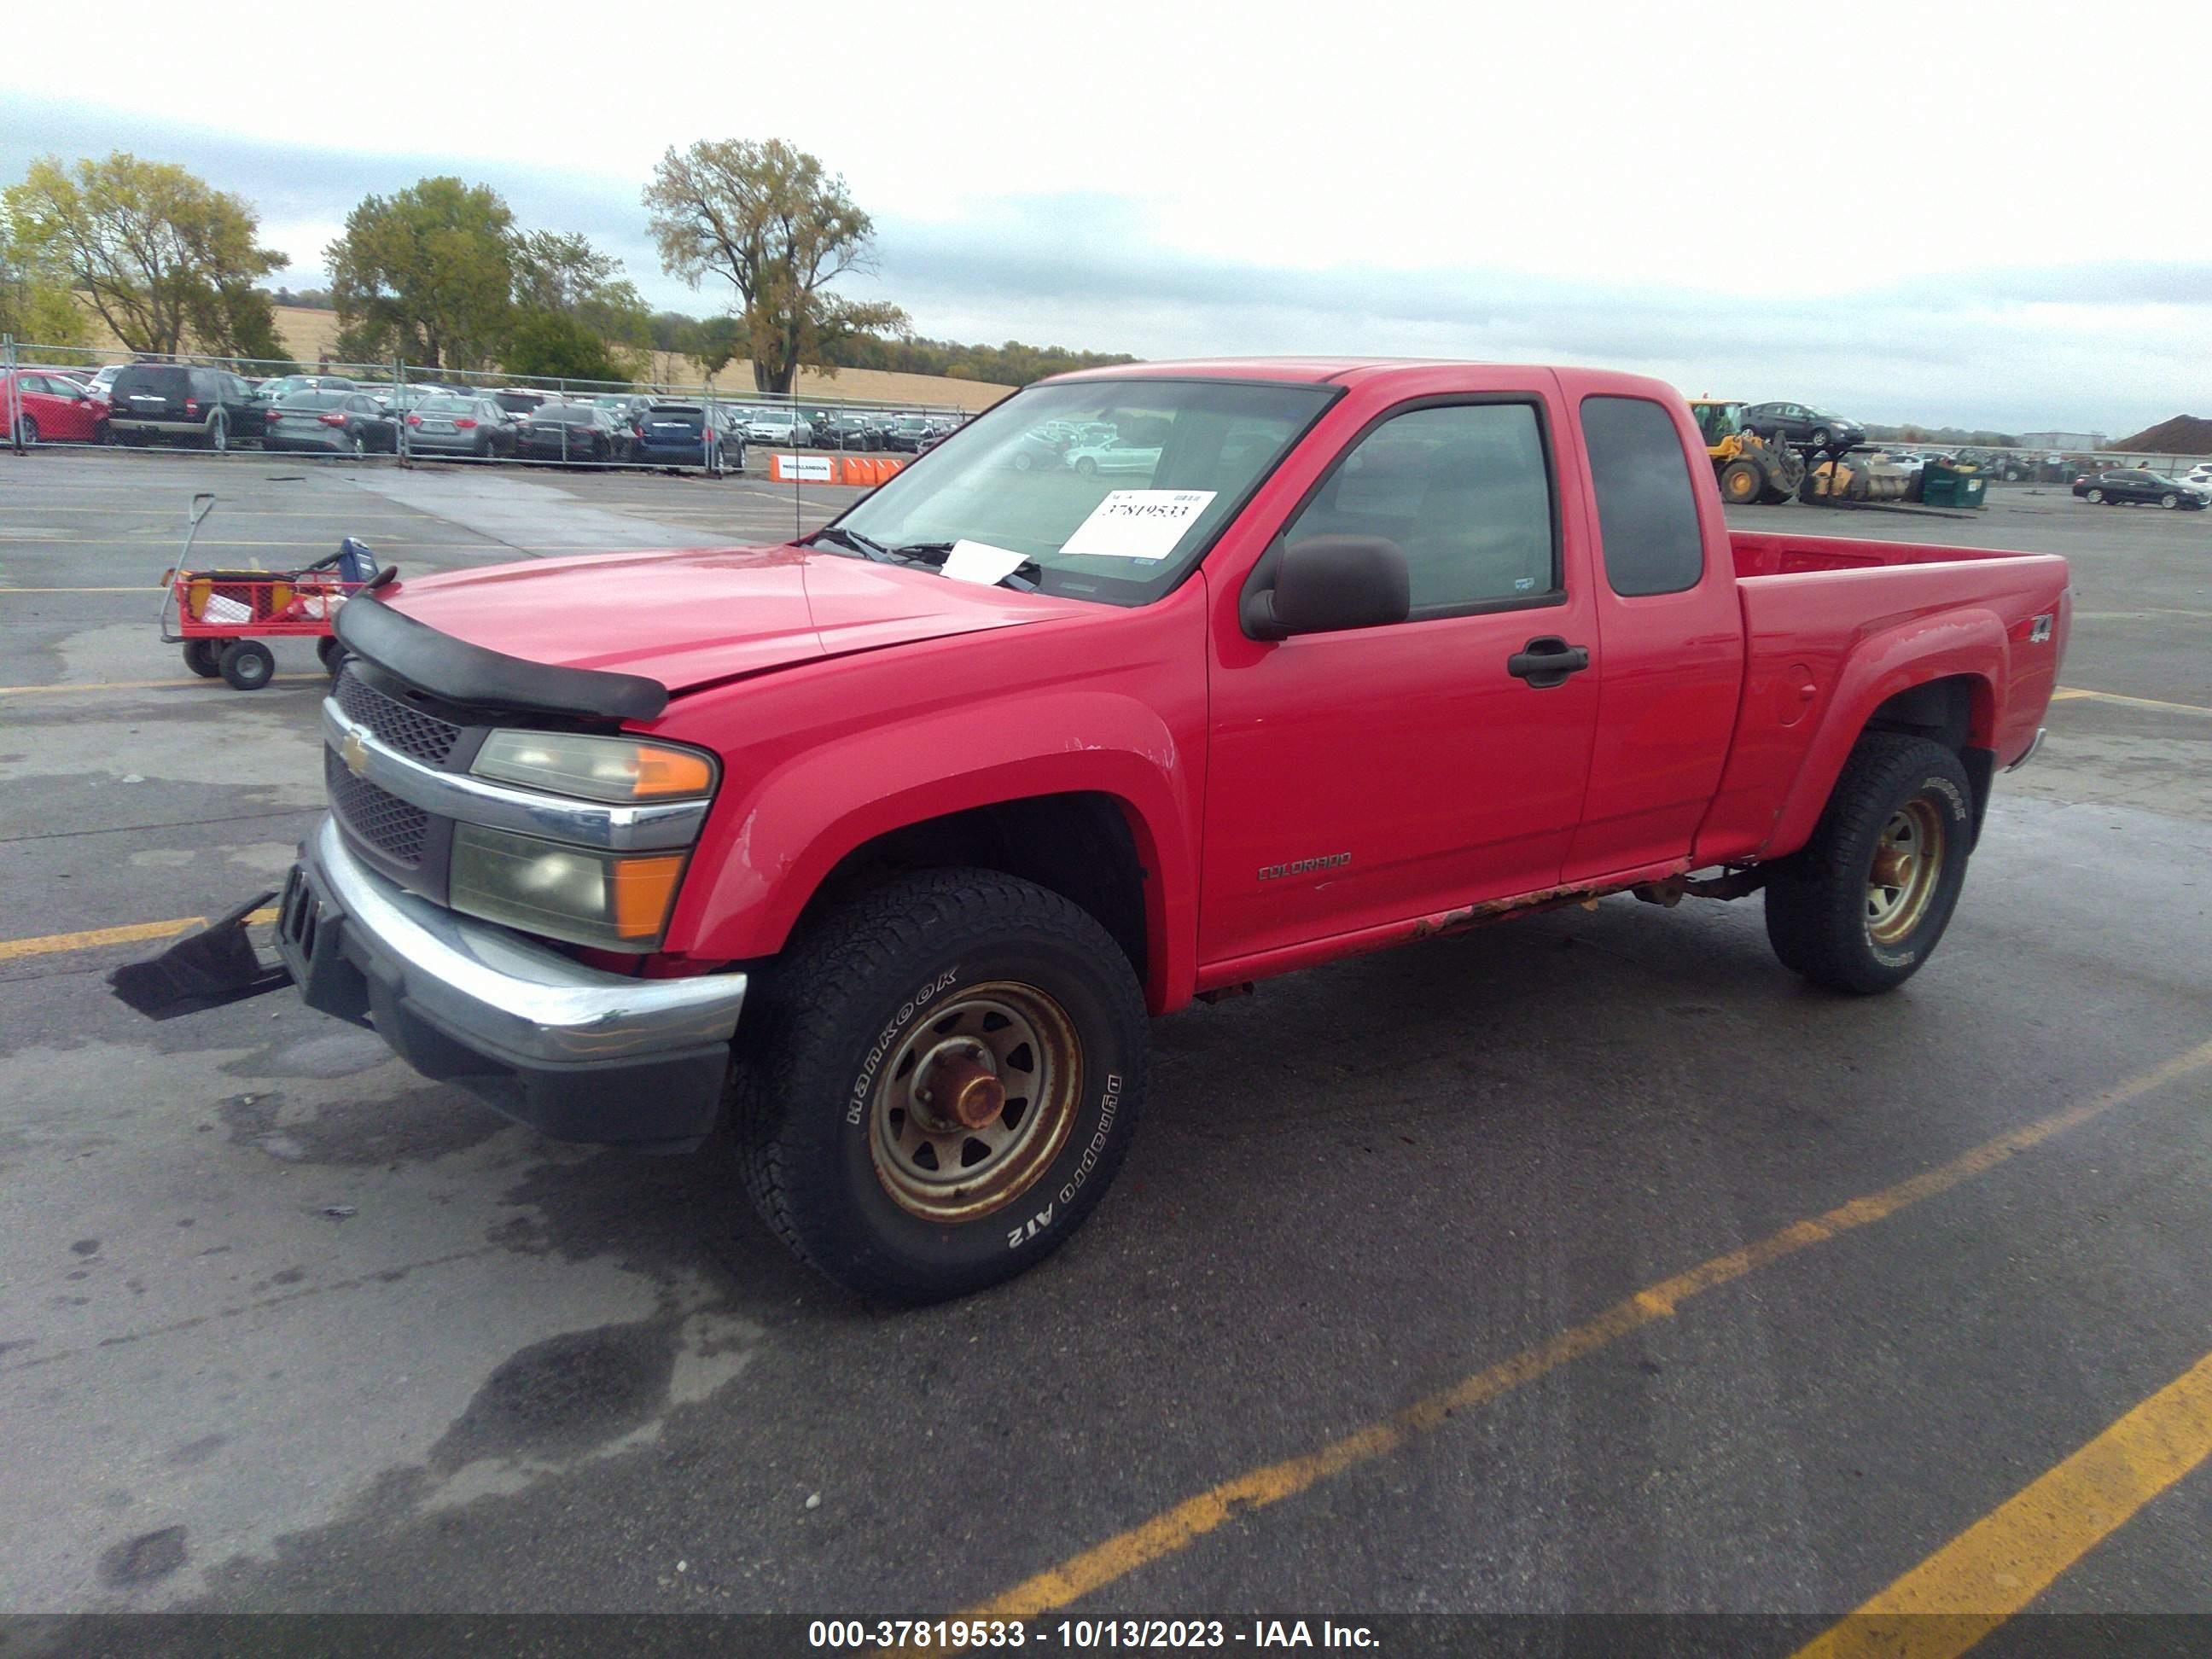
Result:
[{"x": 873, "y": 852}]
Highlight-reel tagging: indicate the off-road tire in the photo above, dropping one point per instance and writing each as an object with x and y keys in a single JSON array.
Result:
[
  {"x": 246, "y": 664},
  {"x": 1818, "y": 903},
  {"x": 204, "y": 657},
  {"x": 1741, "y": 484},
  {"x": 826, "y": 1027}
]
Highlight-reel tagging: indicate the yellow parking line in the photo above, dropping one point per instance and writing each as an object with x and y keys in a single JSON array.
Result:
[
  {"x": 96, "y": 938},
  {"x": 2067, "y": 692},
  {"x": 2011, "y": 1555},
  {"x": 1178, "y": 1528},
  {"x": 138, "y": 685}
]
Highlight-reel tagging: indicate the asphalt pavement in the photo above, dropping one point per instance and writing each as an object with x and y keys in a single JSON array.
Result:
[{"x": 1590, "y": 1264}]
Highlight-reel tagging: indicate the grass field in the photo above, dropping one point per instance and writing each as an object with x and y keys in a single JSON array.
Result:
[{"x": 308, "y": 334}]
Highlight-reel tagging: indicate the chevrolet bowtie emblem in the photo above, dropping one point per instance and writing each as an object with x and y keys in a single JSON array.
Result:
[{"x": 354, "y": 752}]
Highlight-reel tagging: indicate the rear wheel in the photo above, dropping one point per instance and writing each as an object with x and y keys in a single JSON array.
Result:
[
  {"x": 1086, "y": 466},
  {"x": 202, "y": 657},
  {"x": 944, "y": 1077},
  {"x": 1863, "y": 905},
  {"x": 359, "y": 447},
  {"x": 1740, "y": 483},
  {"x": 26, "y": 429},
  {"x": 246, "y": 664}
]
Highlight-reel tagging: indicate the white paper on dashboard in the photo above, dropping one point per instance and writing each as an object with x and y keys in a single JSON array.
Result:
[
  {"x": 1138, "y": 524},
  {"x": 979, "y": 561}
]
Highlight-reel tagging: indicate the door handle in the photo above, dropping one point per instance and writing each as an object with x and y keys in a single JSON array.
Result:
[{"x": 1547, "y": 661}]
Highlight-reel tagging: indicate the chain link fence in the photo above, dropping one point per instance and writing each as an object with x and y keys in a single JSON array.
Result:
[{"x": 406, "y": 414}]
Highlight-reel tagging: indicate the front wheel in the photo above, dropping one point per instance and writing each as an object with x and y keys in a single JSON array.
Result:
[
  {"x": 218, "y": 437},
  {"x": 246, "y": 664},
  {"x": 1820, "y": 439},
  {"x": 359, "y": 447},
  {"x": 944, "y": 1078},
  {"x": 1740, "y": 483},
  {"x": 2095, "y": 496},
  {"x": 2169, "y": 501},
  {"x": 204, "y": 657},
  {"x": 331, "y": 654},
  {"x": 1086, "y": 466},
  {"x": 26, "y": 429},
  {"x": 1863, "y": 905}
]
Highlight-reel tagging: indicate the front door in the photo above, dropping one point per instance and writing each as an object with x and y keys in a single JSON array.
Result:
[{"x": 1381, "y": 775}]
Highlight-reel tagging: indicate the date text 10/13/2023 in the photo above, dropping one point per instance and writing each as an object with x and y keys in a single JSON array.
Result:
[{"x": 952, "y": 1635}]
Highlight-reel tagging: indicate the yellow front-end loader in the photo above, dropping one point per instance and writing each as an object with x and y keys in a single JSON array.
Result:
[{"x": 1748, "y": 469}]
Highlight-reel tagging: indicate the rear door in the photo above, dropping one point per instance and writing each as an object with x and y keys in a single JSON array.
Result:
[{"x": 1379, "y": 776}]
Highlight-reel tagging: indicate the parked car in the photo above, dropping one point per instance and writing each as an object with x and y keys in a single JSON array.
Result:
[
  {"x": 910, "y": 433},
  {"x": 1802, "y": 426},
  {"x": 674, "y": 434},
  {"x": 780, "y": 426},
  {"x": 50, "y": 407},
  {"x": 1033, "y": 451},
  {"x": 516, "y": 401},
  {"x": 2131, "y": 486},
  {"x": 284, "y": 385},
  {"x": 734, "y": 428},
  {"x": 849, "y": 432},
  {"x": 1114, "y": 459},
  {"x": 474, "y": 426},
  {"x": 571, "y": 432},
  {"x": 150, "y": 402},
  {"x": 2200, "y": 475},
  {"x": 103, "y": 380},
  {"x": 911, "y": 883},
  {"x": 329, "y": 424}
]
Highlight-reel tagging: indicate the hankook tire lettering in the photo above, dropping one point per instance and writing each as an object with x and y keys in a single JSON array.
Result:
[{"x": 856, "y": 1109}]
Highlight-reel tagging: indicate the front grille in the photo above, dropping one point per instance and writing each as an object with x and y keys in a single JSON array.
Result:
[
  {"x": 413, "y": 733},
  {"x": 383, "y": 821}
]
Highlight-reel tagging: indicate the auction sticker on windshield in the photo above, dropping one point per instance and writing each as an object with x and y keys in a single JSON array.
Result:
[{"x": 1138, "y": 524}]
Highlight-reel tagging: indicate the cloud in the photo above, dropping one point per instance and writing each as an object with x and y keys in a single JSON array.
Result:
[{"x": 2110, "y": 344}]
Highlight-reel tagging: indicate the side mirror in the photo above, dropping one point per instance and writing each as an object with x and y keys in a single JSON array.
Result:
[{"x": 1325, "y": 584}]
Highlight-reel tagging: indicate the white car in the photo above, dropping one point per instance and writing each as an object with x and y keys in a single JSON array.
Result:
[
  {"x": 779, "y": 426},
  {"x": 2200, "y": 475},
  {"x": 1113, "y": 458}
]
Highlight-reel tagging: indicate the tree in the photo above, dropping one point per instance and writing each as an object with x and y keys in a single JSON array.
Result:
[
  {"x": 35, "y": 302},
  {"x": 567, "y": 276},
  {"x": 154, "y": 248},
  {"x": 767, "y": 219},
  {"x": 426, "y": 273},
  {"x": 551, "y": 346}
]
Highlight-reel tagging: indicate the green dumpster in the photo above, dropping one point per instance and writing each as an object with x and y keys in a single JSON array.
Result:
[{"x": 1947, "y": 486}]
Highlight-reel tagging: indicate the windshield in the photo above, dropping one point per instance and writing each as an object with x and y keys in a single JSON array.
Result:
[{"x": 1119, "y": 521}]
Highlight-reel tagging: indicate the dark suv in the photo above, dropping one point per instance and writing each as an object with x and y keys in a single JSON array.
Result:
[
  {"x": 207, "y": 406},
  {"x": 1802, "y": 426}
]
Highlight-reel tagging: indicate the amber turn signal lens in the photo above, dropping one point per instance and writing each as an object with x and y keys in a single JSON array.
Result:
[
  {"x": 663, "y": 772},
  {"x": 642, "y": 890}
]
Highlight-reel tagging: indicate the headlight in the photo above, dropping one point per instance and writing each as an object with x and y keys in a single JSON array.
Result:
[
  {"x": 597, "y": 768},
  {"x": 616, "y": 901}
]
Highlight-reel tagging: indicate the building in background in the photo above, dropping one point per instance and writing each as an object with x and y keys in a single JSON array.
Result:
[{"x": 2061, "y": 440}]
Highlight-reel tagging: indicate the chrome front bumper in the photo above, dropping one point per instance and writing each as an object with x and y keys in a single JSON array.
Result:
[
  {"x": 2028, "y": 753},
  {"x": 579, "y": 1053}
]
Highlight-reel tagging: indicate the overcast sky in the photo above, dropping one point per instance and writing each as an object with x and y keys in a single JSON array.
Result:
[{"x": 1984, "y": 216}]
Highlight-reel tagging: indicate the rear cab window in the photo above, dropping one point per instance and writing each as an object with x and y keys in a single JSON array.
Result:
[{"x": 1647, "y": 510}]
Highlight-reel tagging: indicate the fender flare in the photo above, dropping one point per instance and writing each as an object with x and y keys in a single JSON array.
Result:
[
  {"x": 770, "y": 849},
  {"x": 1968, "y": 644}
]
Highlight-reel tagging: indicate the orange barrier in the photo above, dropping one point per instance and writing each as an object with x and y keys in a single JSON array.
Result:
[
  {"x": 866, "y": 472},
  {"x": 802, "y": 469}
]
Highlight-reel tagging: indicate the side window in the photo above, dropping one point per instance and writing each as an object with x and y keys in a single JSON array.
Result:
[
  {"x": 1464, "y": 488},
  {"x": 1647, "y": 515}
]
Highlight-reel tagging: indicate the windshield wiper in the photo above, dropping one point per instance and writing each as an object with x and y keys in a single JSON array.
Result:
[
  {"x": 1022, "y": 577},
  {"x": 853, "y": 541}
]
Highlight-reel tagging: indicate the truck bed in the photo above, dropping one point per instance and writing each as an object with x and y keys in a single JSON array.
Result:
[
  {"x": 1764, "y": 553},
  {"x": 1826, "y": 619}
]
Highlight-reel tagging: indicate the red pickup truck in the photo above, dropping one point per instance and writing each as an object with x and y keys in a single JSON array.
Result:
[{"x": 878, "y": 847}]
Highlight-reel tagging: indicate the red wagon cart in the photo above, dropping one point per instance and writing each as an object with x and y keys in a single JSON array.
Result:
[{"x": 220, "y": 616}]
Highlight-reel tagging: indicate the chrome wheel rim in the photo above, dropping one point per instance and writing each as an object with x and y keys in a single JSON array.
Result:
[
  {"x": 1908, "y": 862},
  {"x": 976, "y": 1103}
]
